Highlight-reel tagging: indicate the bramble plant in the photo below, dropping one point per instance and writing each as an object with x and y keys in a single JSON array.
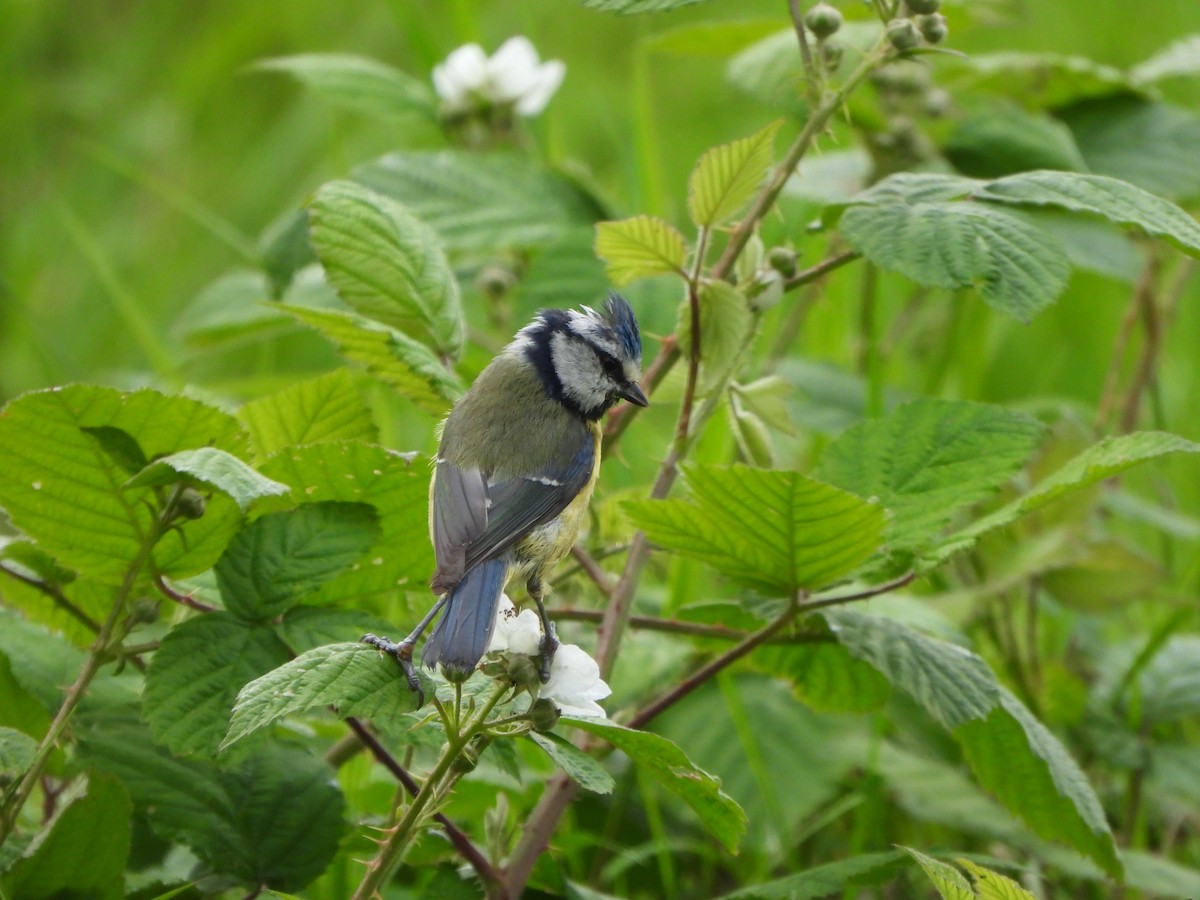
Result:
[{"x": 187, "y": 707}]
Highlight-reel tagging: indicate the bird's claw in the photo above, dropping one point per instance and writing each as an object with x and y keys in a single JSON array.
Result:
[
  {"x": 550, "y": 645},
  {"x": 401, "y": 652}
]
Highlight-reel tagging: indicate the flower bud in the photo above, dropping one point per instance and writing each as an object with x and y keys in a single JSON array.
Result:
[
  {"x": 903, "y": 34},
  {"x": 544, "y": 715},
  {"x": 467, "y": 759},
  {"x": 495, "y": 280},
  {"x": 189, "y": 504},
  {"x": 923, "y": 7},
  {"x": 783, "y": 261},
  {"x": 933, "y": 28},
  {"x": 823, "y": 20},
  {"x": 494, "y": 666},
  {"x": 523, "y": 670},
  {"x": 833, "y": 53}
]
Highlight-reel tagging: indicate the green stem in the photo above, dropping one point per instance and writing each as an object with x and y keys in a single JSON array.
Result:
[
  {"x": 15, "y": 801},
  {"x": 393, "y": 850}
]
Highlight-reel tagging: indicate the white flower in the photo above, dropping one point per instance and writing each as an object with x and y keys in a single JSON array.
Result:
[
  {"x": 575, "y": 683},
  {"x": 514, "y": 75},
  {"x": 518, "y": 633}
]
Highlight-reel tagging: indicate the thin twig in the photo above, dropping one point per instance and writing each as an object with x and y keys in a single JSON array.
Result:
[
  {"x": 677, "y": 626},
  {"x": 1144, "y": 370},
  {"x": 60, "y": 599},
  {"x": 812, "y": 273},
  {"x": 458, "y": 838},
  {"x": 1108, "y": 394},
  {"x": 183, "y": 599},
  {"x": 811, "y": 76},
  {"x": 593, "y": 570}
]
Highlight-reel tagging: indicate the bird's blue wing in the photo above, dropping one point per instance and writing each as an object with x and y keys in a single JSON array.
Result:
[{"x": 476, "y": 518}]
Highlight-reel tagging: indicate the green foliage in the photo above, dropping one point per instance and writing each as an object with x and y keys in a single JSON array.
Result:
[
  {"x": 726, "y": 177},
  {"x": 582, "y": 768},
  {"x": 323, "y": 409},
  {"x": 638, "y": 247},
  {"x": 777, "y": 532},
  {"x": 212, "y": 467},
  {"x": 357, "y": 83}
]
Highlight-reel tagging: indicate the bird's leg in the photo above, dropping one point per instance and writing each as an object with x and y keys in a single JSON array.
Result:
[
  {"x": 402, "y": 652},
  {"x": 549, "y": 632}
]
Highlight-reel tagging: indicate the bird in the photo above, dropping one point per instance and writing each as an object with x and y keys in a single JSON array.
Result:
[{"x": 516, "y": 465}]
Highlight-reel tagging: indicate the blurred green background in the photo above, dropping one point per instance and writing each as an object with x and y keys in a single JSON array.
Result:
[{"x": 140, "y": 150}]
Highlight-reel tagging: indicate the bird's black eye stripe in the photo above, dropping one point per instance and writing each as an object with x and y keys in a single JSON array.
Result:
[{"x": 612, "y": 367}]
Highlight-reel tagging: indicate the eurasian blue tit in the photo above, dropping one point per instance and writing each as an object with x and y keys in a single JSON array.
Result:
[{"x": 515, "y": 469}]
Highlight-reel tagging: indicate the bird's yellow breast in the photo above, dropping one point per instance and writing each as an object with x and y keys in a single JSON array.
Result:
[{"x": 543, "y": 547}]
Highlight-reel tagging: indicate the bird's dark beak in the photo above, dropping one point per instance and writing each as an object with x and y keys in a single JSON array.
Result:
[{"x": 632, "y": 392}]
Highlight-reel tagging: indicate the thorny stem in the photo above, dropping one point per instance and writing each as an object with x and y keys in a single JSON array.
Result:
[
  {"x": 677, "y": 626},
  {"x": 462, "y": 843},
  {"x": 400, "y": 838},
  {"x": 589, "y": 565},
  {"x": 15, "y": 800},
  {"x": 558, "y": 793},
  {"x": 811, "y": 76},
  {"x": 182, "y": 599}
]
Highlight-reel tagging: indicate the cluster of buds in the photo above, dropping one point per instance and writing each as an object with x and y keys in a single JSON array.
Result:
[
  {"x": 923, "y": 22},
  {"x": 824, "y": 21}
]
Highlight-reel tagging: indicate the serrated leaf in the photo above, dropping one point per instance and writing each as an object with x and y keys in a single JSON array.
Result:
[
  {"x": 61, "y": 487},
  {"x": 390, "y": 356},
  {"x": 1100, "y": 461},
  {"x": 726, "y": 177},
  {"x": 482, "y": 202},
  {"x": 775, "y": 531},
  {"x": 1029, "y": 770},
  {"x": 357, "y": 83},
  {"x": 633, "y": 7},
  {"x": 43, "y": 663},
  {"x": 1117, "y": 201},
  {"x": 999, "y": 141},
  {"x": 386, "y": 264},
  {"x": 725, "y": 324},
  {"x": 1039, "y": 80},
  {"x": 1146, "y": 143},
  {"x": 196, "y": 674},
  {"x": 355, "y": 678},
  {"x": 279, "y": 559},
  {"x": 826, "y": 677},
  {"x": 328, "y": 408},
  {"x": 231, "y": 307},
  {"x": 640, "y": 247},
  {"x": 586, "y": 770},
  {"x": 395, "y": 485},
  {"x": 991, "y": 885},
  {"x": 1012, "y": 754},
  {"x": 929, "y": 459},
  {"x": 17, "y": 749},
  {"x": 1180, "y": 58},
  {"x": 824, "y": 880},
  {"x": 283, "y": 250},
  {"x": 83, "y": 849},
  {"x": 1018, "y": 268},
  {"x": 120, "y": 446},
  {"x": 948, "y": 880},
  {"x": 213, "y": 467},
  {"x": 671, "y": 768},
  {"x": 305, "y": 628},
  {"x": 275, "y": 819}
]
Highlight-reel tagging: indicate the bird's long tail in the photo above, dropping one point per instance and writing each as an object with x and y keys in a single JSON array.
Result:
[{"x": 465, "y": 628}]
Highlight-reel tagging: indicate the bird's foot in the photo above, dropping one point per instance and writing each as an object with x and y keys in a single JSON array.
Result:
[
  {"x": 550, "y": 645},
  {"x": 401, "y": 652}
]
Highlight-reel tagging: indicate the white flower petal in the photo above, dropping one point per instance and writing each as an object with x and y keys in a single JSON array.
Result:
[
  {"x": 464, "y": 72},
  {"x": 516, "y": 632},
  {"x": 550, "y": 76},
  {"x": 513, "y": 70},
  {"x": 575, "y": 683}
]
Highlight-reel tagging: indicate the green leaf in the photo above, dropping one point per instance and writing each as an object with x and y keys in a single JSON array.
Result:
[
  {"x": 770, "y": 70},
  {"x": 386, "y": 264},
  {"x": 43, "y": 663},
  {"x": 825, "y": 880},
  {"x": 632, "y": 7},
  {"x": 120, "y": 446},
  {"x": 1038, "y": 80},
  {"x": 999, "y": 141},
  {"x": 948, "y": 880},
  {"x": 284, "y": 250},
  {"x": 215, "y": 468},
  {"x": 63, "y": 488},
  {"x": 1117, "y": 201},
  {"x": 390, "y": 356},
  {"x": 726, "y": 177},
  {"x": 674, "y": 771},
  {"x": 1180, "y": 58},
  {"x": 305, "y": 628},
  {"x": 826, "y": 677},
  {"x": 929, "y": 459},
  {"x": 1100, "y": 461},
  {"x": 82, "y": 851},
  {"x": 275, "y": 819},
  {"x": 640, "y": 247},
  {"x": 328, "y": 408},
  {"x": 17, "y": 749},
  {"x": 775, "y": 531},
  {"x": 725, "y": 324},
  {"x": 583, "y": 768},
  {"x": 1147, "y": 144},
  {"x": 277, "y": 560},
  {"x": 1017, "y": 758},
  {"x": 355, "y": 678},
  {"x": 564, "y": 273},
  {"x": 398, "y": 488},
  {"x": 357, "y": 83},
  {"x": 991, "y": 885},
  {"x": 1018, "y": 268},
  {"x": 233, "y": 306},
  {"x": 196, "y": 674},
  {"x": 482, "y": 202},
  {"x": 1012, "y": 754}
]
